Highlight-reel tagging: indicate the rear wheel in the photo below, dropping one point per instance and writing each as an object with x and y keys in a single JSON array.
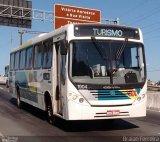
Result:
[{"x": 19, "y": 103}]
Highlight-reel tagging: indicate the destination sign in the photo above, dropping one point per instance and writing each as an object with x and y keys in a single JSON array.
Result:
[{"x": 106, "y": 31}]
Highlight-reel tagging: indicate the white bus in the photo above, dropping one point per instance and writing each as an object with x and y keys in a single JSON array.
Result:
[{"x": 82, "y": 72}]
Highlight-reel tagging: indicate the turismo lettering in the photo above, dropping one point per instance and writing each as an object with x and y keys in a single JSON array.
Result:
[{"x": 107, "y": 32}]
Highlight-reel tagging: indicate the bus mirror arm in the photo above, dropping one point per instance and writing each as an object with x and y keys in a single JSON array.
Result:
[
  {"x": 91, "y": 72},
  {"x": 64, "y": 47},
  {"x": 63, "y": 51}
]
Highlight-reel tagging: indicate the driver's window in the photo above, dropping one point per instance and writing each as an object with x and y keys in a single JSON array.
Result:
[{"x": 134, "y": 57}]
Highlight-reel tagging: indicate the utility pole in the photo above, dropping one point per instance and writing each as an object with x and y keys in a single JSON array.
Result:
[{"x": 21, "y": 32}]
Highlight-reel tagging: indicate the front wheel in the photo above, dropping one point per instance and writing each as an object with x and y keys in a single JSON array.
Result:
[{"x": 50, "y": 117}]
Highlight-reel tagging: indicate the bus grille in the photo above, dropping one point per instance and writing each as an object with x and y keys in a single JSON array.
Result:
[{"x": 112, "y": 94}]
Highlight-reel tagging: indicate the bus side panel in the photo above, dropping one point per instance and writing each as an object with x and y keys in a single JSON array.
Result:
[{"x": 33, "y": 84}]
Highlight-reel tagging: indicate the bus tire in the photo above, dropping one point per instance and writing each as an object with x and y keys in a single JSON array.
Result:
[
  {"x": 19, "y": 103},
  {"x": 50, "y": 117}
]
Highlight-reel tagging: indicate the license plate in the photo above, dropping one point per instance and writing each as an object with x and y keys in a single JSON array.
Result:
[{"x": 113, "y": 112}]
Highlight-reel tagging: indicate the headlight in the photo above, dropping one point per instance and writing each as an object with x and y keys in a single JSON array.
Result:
[
  {"x": 76, "y": 98},
  {"x": 140, "y": 98},
  {"x": 143, "y": 96},
  {"x": 81, "y": 100}
]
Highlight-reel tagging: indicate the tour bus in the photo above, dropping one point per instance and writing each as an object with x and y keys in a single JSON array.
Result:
[{"x": 82, "y": 72}]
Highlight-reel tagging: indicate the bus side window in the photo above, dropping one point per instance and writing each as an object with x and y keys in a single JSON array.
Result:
[
  {"x": 29, "y": 57},
  {"x": 22, "y": 59},
  {"x": 38, "y": 50},
  {"x": 47, "y": 53},
  {"x": 17, "y": 60},
  {"x": 12, "y": 61}
]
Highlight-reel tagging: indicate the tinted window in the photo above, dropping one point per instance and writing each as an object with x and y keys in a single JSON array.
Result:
[
  {"x": 107, "y": 62},
  {"x": 47, "y": 54},
  {"x": 17, "y": 60},
  {"x": 22, "y": 59},
  {"x": 38, "y": 50},
  {"x": 12, "y": 61},
  {"x": 29, "y": 56},
  {"x": 134, "y": 57}
]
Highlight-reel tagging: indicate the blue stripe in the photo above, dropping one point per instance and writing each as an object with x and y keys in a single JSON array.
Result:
[
  {"x": 112, "y": 94},
  {"x": 120, "y": 98}
]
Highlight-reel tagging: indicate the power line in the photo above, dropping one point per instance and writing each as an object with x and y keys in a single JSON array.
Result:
[
  {"x": 154, "y": 70},
  {"x": 21, "y": 32},
  {"x": 153, "y": 38},
  {"x": 151, "y": 13},
  {"x": 130, "y": 10},
  {"x": 149, "y": 25},
  {"x": 151, "y": 31}
]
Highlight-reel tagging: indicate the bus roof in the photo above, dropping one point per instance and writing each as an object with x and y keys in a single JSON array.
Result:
[
  {"x": 41, "y": 37},
  {"x": 44, "y": 36}
]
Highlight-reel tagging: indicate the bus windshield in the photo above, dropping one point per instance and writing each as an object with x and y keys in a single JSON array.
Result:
[{"x": 106, "y": 62}]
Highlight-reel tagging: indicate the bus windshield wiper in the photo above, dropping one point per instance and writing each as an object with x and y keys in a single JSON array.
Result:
[
  {"x": 121, "y": 49},
  {"x": 98, "y": 47}
]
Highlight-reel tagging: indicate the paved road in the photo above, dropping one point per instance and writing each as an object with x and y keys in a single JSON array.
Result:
[{"x": 31, "y": 122}]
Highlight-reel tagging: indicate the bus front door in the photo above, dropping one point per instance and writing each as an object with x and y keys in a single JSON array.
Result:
[{"x": 61, "y": 61}]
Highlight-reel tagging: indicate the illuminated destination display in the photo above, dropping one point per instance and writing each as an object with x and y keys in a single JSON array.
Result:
[{"x": 106, "y": 31}]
